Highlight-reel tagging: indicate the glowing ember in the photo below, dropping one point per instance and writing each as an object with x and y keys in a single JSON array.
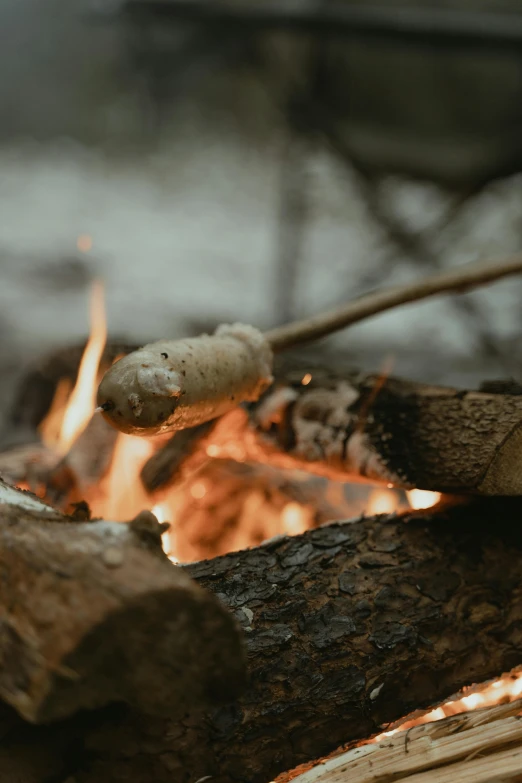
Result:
[
  {"x": 421, "y": 498},
  {"x": 306, "y": 379},
  {"x": 296, "y": 518},
  {"x": 81, "y": 403},
  {"x": 382, "y": 501}
]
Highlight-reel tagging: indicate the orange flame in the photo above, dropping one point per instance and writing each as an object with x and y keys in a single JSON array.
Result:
[
  {"x": 386, "y": 501},
  {"x": 162, "y": 512},
  {"x": 80, "y": 404},
  {"x": 505, "y": 689},
  {"x": 296, "y": 518},
  {"x": 121, "y": 494},
  {"x": 50, "y": 427}
]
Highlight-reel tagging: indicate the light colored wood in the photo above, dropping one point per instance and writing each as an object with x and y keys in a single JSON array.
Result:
[
  {"x": 484, "y": 745},
  {"x": 501, "y": 767}
]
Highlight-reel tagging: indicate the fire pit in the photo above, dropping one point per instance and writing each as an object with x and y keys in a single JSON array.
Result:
[
  {"x": 346, "y": 626},
  {"x": 215, "y": 489}
]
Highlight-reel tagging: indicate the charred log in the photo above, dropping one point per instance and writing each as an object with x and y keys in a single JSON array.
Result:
[
  {"x": 162, "y": 468},
  {"x": 347, "y": 626},
  {"x": 385, "y": 429},
  {"x": 352, "y": 426}
]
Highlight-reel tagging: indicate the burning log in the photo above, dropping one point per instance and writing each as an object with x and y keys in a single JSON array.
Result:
[
  {"x": 94, "y": 612},
  {"x": 347, "y": 627},
  {"x": 408, "y": 434},
  {"x": 162, "y": 468},
  {"x": 352, "y": 426},
  {"x": 343, "y": 425}
]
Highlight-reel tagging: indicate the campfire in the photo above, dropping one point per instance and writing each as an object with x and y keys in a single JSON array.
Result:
[
  {"x": 250, "y": 505},
  {"x": 217, "y": 504}
]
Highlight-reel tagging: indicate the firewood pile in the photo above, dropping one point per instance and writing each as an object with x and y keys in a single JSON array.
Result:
[{"x": 300, "y": 621}]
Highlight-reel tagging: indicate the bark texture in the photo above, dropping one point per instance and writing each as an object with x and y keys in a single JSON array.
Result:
[
  {"x": 356, "y": 425},
  {"x": 93, "y": 613},
  {"x": 347, "y": 626}
]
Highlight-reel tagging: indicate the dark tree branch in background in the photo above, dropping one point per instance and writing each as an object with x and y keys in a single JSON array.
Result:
[
  {"x": 434, "y": 26},
  {"x": 417, "y": 246},
  {"x": 299, "y": 143},
  {"x": 293, "y": 212}
]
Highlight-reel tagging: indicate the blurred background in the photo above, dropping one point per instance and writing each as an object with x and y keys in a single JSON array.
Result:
[{"x": 260, "y": 161}]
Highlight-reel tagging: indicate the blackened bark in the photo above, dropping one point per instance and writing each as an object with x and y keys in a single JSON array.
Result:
[
  {"x": 347, "y": 626},
  {"x": 353, "y": 425}
]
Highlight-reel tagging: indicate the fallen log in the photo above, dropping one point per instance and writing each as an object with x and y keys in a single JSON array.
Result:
[
  {"x": 94, "y": 612},
  {"x": 347, "y": 627}
]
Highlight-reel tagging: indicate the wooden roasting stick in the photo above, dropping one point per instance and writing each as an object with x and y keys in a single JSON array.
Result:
[
  {"x": 92, "y": 613},
  {"x": 171, "y": 385}
]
